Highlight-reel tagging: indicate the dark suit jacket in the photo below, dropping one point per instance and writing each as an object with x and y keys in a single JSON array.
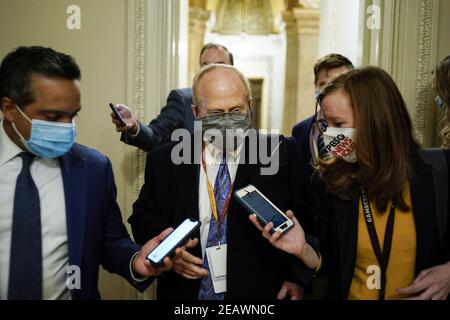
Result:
[
  {"x": 338, "y": 224},
  {"x": 95, "y": 231},
  {"x": 301, "y": 133},
  {"x": 256, "y": 270},
  {"x": 176, "y": 114}
]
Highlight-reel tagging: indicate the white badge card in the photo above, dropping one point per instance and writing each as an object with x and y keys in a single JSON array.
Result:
[{"x": 217, "y": 259}]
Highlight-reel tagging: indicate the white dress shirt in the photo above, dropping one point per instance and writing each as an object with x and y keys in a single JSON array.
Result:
[
  {"x": 48, "y": 179},
  {"x": 213, "y": 158}
]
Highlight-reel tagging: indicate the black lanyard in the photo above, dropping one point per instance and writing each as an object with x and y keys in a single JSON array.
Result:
[{"x": 382, "y": 257}]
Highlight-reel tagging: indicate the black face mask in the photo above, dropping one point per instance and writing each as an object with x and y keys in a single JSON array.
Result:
[{"x": 226, "y": 130}]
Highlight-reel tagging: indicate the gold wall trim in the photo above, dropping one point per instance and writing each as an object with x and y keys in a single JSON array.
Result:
[
  {"x": 139, "y": 45},
  {"x": 423, "y": 76},
  {"x": 137, "y": 25}
]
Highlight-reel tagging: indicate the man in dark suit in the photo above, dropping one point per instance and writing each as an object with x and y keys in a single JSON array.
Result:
[
  {"x": 59, "y": 220},
  {"x": 201, "y": 188},
  {"x": 176, "y": 114},
  {"x": 306, "y": 137}
]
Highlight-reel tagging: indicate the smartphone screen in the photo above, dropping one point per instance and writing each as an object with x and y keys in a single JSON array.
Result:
[
  {"x": 174, "y": 240},
  {"x": 264, "y": 208}
]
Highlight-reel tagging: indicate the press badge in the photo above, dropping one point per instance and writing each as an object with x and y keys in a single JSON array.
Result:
[{"x": 217, "y": 259}]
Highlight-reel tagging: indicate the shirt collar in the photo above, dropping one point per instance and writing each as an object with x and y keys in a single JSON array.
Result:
[
  {"x": 8, "y": 149},
  {"x": 216, "y": 154}
]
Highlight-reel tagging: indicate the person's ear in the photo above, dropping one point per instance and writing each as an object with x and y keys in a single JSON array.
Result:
[
  {"x": 250, "y": 103},
  {"x": 8, "y": 109}
]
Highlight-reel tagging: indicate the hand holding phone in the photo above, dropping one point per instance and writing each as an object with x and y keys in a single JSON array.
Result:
[
  {"x": 175, "y": 240},
  {"x": 263, "y": 211},
  {"x": 141, "y": 267},
  {"x": 256, "y": 203},
  {"x": 117, "y": 114}
]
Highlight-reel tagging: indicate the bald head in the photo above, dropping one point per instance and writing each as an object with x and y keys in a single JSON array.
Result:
[{"x": 220, "y": 88}]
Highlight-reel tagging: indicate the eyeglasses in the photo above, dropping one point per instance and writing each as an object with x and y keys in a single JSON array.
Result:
[
  {"x": 439, "y": 102},
  {"x": 320, "y": 124},
  {"x": 236, "y": 116}
]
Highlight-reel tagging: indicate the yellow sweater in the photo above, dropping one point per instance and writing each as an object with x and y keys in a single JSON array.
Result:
[{"x": 400, "y": 271}]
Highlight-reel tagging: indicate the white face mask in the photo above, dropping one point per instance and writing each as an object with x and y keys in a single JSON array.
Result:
[{"x": 341, "y": 143}]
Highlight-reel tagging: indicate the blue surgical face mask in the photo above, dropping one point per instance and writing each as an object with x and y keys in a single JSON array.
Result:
[
  {"x": 439, "y": 102},
  {"x": 48, "y": 139}
]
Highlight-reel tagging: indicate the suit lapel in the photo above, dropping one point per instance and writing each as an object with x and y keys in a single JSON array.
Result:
[
  {"x": 187, "y": 186},
  {"x": 347, "y": 226},
  {"x": 423, "y": 203},
  {"x": 242, "y": 174},
  {"x": 246, "y": 162},
  {"x": 74, "y": 174}
]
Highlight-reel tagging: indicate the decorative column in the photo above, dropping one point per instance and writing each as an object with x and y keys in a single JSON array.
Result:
[
  {"x": 157, "y": 63},
  {"x": 407, "y": 47},
  {"x": 198, "y": 17},
  {"x": 302, "y": 31},
  {"x": 425, "y": 120}
]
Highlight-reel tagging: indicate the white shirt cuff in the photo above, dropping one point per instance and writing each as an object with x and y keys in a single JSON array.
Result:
[
  {"x": 131, "y": 270},
  {"x": 137, "y": 131}
]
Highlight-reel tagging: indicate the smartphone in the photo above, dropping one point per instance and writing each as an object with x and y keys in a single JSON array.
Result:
[
  {"x": 256, "y": 203},
  {"x": 117, "y": 114},
  {"x": 174, "y": 240}
]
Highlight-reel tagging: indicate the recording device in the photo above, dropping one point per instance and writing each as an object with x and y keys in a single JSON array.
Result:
[
  {"x": 174, "y": 240},
  {"x": 117, "y": 114},
  {"x": 256, "y": 203}
]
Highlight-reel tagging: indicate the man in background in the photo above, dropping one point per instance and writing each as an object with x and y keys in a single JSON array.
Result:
[
  {"x": 307, "y": 133},
  {"x": 176, "y": 114}
]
